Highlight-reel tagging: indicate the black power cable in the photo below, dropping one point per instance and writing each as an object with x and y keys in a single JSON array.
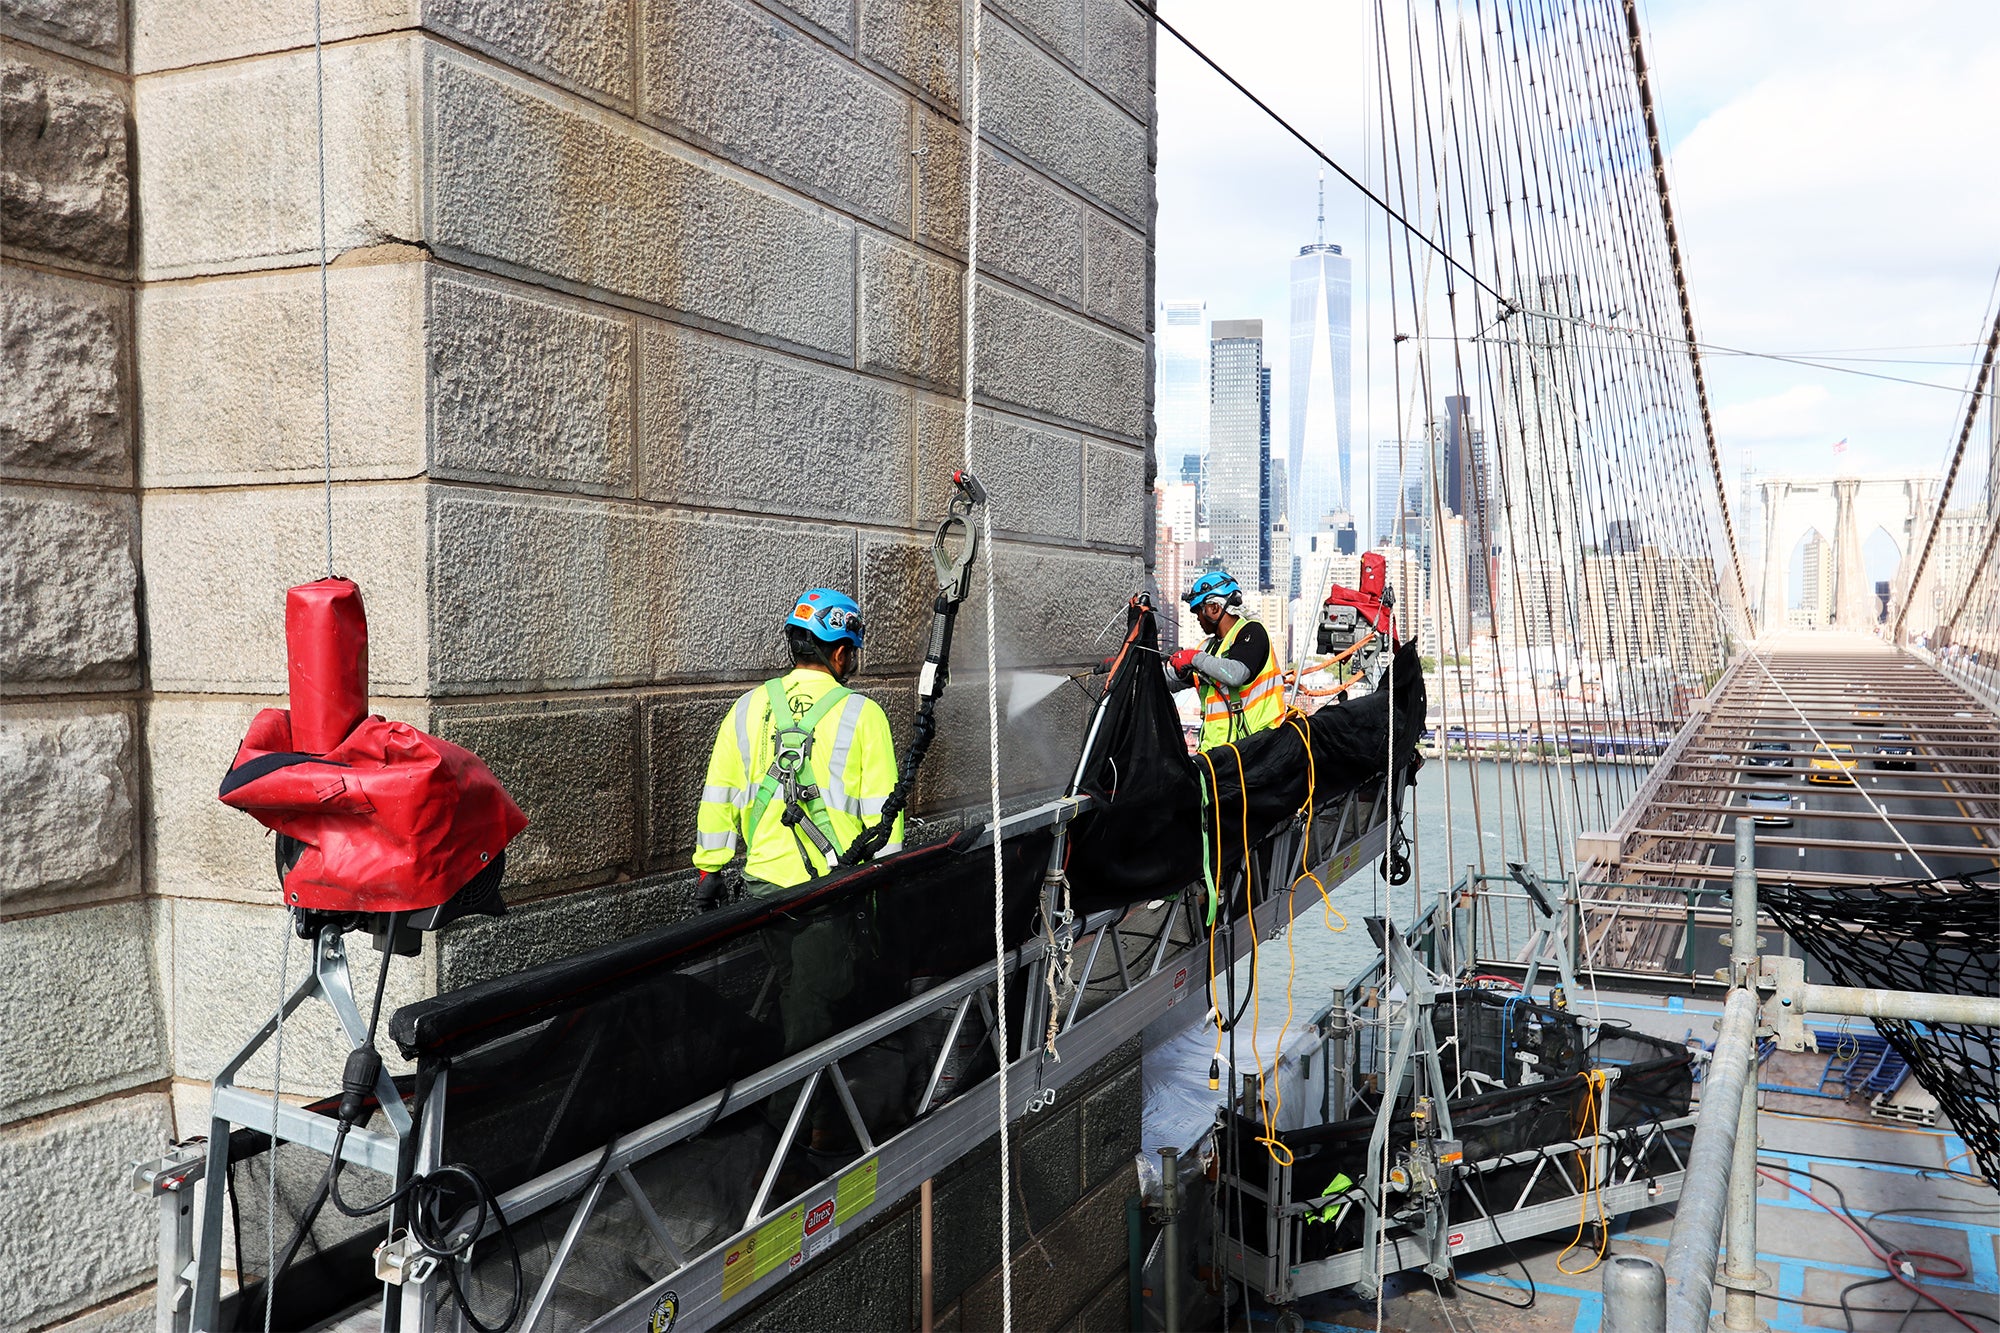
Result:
[{"x": 433, "y": 1222}]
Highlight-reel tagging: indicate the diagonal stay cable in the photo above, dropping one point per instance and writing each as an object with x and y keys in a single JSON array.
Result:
[{"x": 1153, "y": 15}]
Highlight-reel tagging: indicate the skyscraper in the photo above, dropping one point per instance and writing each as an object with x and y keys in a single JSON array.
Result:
[
  {"x": 1317, "y": 457},
  {"x": 1239, "y": 445},
  {"x": 1399, "y": 490},
  {"x": 1180, "y": 389},
  {"x": 1462, "y": 476}
]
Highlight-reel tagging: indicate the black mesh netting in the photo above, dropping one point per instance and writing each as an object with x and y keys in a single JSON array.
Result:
[
  {"x": 1654, "y": 1083},
  {"x": 1145, "y": 826},
  {"x": 1936, "y": 935}
]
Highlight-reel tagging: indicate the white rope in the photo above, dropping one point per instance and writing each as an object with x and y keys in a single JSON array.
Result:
[
  {"x": 325, "y": 337},
  {"x": 992, "y": 674},
  {"x": 271, "y": 1159}
]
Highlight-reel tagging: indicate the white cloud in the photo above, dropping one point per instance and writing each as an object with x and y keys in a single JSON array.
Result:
[{"x": 1834, "y": 166}]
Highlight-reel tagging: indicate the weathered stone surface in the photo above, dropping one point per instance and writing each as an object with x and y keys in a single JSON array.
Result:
[
  {"x": 1082, "y": 1249},
  {"x": 1118, "y": 55},
  {"x": 63, "y": 397},
  {"x": 1119, "y": 268},
  {"x": 680, "y": 731},
  {"x": 75, "y": 987},
  {"x": 1050, "y": 1165},
  {"x": 1059, "y": 365},
  {"x": 1059, "y": 124},
  {"x": 527, "y": 389},
  {"x": 912, "y": 313},
  {"x": 1029, "y": 230},
  {"x": 583, "y": 43},
  {"x": 736, "y": 427},
  {"x": 223, "y": 982},
  {"x": 559, "y": 926},
  {"x": 217, "y": 565},
  {"x": 893, "y": 575},
  {"x": 759, "y": 91},
  {"x": 169, "y": 34},
  {"x": 66, "y": 825},
  {"x": 1034, "y": 474},
  {"x": 918, "y": 39},
  {"x": 543, "y": 594},
  {"x": 200, "y": 847},
  {"x": 1058, "y": 23},
  {"x": 571, "y": 769},
  {"x": 940, "y": 182},
  {"x": 834, "y": 17},
  {"x": 1109, "y": 1311},
  {"x": 522, "y": 180},
  {"x": 233, "y": 386},
  {"x": 92, "y": 1236},
  {"x": 91, "y": 24},
  {"x": 1112, "y": 1117},
  {"x": 67, "y": 590},
  {"x": 64, "y": 191},
  {"x": 230, "y": 174},
  {"x": 134, "y": 1314},
  {"x": 1118, "y": 495}
]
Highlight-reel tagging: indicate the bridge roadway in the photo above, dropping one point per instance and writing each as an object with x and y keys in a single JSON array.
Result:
[{"x": 1861, "y": 764}]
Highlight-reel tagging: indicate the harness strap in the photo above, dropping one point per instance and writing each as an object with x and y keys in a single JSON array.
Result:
[{"x": 791, "y": 773}]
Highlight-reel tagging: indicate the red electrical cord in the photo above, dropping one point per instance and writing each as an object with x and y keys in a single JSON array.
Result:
[{"x": 1890, "y": 1258}]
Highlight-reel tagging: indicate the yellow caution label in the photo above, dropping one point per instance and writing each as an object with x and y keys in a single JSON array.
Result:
[
  {"x": 776, "y": 1244},
  {"x": 856, "y": 1190}
]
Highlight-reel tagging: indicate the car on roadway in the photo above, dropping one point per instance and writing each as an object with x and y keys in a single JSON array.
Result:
[
  {"x": 1772, "y": 806},
  {"x": 1833, "y": 767},
  {"x": 1770, "y": 754},
  {"x": 1893, "y": 750},
  {"x": 1870, "y": 717}
]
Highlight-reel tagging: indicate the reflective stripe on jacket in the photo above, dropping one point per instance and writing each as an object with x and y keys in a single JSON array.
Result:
[
  {"x": 1230, "y": 715},
  {"x": 854, "y": 766}
]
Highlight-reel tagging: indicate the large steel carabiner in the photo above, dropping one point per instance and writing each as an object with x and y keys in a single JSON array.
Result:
[{"x": 954, "y": 569}]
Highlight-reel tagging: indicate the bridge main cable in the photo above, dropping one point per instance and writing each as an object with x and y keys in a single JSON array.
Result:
[{"x": 1951, "y": 476}]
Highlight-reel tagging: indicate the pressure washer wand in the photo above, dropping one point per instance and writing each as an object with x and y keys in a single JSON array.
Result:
[{"x": 954, "y": 548}]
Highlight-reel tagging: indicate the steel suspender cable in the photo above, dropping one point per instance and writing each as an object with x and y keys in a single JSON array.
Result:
[
  {"x": 1951, "y": 474},
  {"x": 992, "y": 671}
]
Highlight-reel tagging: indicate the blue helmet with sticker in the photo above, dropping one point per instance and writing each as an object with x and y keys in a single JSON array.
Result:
[
  {"x": 1215, "y": 583},
  {"x": 828, "y": 614}
]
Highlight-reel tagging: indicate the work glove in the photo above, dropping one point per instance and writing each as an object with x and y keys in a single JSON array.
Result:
[
  {"x": 708, "y": 891},
  {"x": 1183, "y": 662}
]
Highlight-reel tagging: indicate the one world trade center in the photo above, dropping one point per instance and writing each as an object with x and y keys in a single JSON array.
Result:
[{"x": 1318, "y": 462}]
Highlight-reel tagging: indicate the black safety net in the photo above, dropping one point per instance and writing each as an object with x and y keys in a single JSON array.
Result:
[
  {"x": 1145, "y": 829},
  {"x": 1936, "y": 935},
  {"x": 1653, "y": 1083}
]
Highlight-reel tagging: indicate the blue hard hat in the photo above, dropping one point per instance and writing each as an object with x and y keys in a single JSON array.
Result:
[
  {"x": 829, "y": 614},
  {"x": 1215, "y": 583}
]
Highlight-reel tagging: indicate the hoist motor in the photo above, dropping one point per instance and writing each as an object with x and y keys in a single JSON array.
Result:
[
  {"x": 373, "y": 816},
  {"x": 1357, "y": 625}
]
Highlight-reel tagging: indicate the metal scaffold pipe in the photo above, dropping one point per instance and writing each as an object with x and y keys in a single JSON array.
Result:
[
  {"x": 1740, "y": 1277},
  {"x": 1697, "y": 1233},
  {"x": 1635, "y": 1295},
  {"x": 1918, "y": 1006}
]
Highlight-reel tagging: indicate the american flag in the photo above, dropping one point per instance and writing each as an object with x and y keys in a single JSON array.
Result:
[{"x": 1840, "y": 448}]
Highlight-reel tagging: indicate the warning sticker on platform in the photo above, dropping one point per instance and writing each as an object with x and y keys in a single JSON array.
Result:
[
  {"x": 856, "y": 1190},
  {"x": 774, "y": 1245}
]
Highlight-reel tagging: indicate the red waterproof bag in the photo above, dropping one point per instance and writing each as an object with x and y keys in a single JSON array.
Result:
[
  {"x": 326, "y": 660},
  {"x": 394, "y": 820}
]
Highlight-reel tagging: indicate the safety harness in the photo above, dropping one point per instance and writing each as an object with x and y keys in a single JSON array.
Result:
[{"x": 791, "y": 777}]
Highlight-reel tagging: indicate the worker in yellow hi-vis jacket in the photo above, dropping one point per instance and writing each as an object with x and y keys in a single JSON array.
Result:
[{"x": 801, "y": 765}]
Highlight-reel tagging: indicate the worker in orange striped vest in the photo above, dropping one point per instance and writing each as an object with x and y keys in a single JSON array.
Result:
[{"x": 1234, "y": 673}]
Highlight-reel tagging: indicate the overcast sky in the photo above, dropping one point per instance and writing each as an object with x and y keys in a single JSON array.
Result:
[{"x": 1836, "y": 176}]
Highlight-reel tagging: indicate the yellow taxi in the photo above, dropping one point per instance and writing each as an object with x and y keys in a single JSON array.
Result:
[{"x": 1833, "y": 766}]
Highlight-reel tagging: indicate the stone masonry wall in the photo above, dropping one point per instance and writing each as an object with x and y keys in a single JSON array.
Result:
[
  {"x": 83, "y": 1071},
  {"x": 643, "y": 314}
]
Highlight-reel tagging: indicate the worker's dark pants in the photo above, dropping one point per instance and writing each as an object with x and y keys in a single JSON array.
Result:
[{"x": 812, "y": 969}]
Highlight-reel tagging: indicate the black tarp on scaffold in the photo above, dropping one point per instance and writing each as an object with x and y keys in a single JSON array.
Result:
[{"x": 555, "y": 1061}]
